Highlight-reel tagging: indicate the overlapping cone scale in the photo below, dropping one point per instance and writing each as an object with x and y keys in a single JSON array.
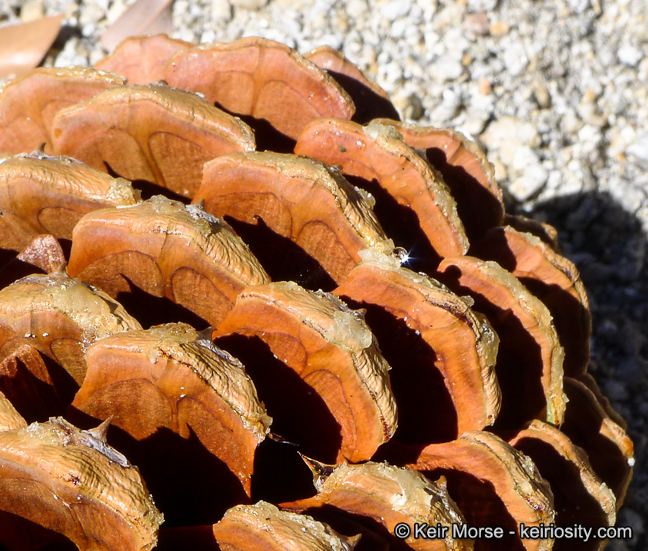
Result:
[{"x": 422, "y": 353}]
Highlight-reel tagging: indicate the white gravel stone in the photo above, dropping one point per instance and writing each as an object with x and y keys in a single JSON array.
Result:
[
  {"x": 357, "y": 8},
  {"x": 221, "y": 12},
  {"x": 639, "y": 148},
  {"x": 515, "y": 59},
  {"x": 395, "y": 9},
  {"x": 530, "y": 183},
  {"x": 629, "y": 55},
  {"x": 482, "y": 5},
  {"x": 249, "y": 4},
  {"x": 510, "y": 132},
  {"x": 447, "y": 68},
  {"x": 31, "y": 11}
]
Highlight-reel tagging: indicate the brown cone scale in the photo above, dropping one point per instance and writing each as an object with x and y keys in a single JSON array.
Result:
[
  {"x": 59, "y": 316},
  {"x": 167, "y": 250},
  {"x": 609, "y": 448},
  {"x": 581, "y": 498},
  {"x": 333, "y": 352},
  {"x": 461, "y": 347},
  {"x": 297, "y": 198},
  {"x": 152, "y": 132},
  {"x": 550, "y": 277},
  {"x": 167, "y": 377},
  {"x": 41, "y": 194},
  {"x": 262, "y": 78},
  {"x": 263, "y": 527},
  {"x": 371, "y": 100},
  {"x": 530, "y": 358},
  {"x": 28, "y": 103},
  {"x": 142, "y": 59},
  {"x": 465, "y": 169},
  {"x": 70, "y": 480},
  {"x": 479, "y": 466},
  {"x": 376, "y": 152},
  {"x": 388, "y": 496}
]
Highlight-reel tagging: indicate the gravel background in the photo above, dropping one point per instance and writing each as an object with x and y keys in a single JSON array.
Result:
[{"x": 556, "y": 91}]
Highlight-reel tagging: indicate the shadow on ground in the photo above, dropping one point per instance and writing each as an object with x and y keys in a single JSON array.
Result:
[{"x": 608, "y": 246}]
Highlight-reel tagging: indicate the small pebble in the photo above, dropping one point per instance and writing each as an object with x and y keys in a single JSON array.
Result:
[
  {"x": 395, "y": 9},
  {"x": 629, "y": 55},
  {"x": 447, "y": 68},
  {"x": 31, "y": 11}
]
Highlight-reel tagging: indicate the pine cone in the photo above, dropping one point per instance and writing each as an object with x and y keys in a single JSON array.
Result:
[{"x": 342, "y": 342}]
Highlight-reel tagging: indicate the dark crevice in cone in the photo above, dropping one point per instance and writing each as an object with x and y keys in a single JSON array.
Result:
[
  {"x": 14, "y": 269},
  {"x": 414, "y": 379},
  {"x": 6, "y": 256},
  {"x": 299, "y": 414},
  {"x": 369, "y": 105},
  {"x": 587, "y": 425},
  {"x": 471, "y": 196},
  {"x": 150, "y": 310},
  {"x": 567, "y": 313},
  {"x": 267, "y": 137},
  {"x": 198, "y": 538},
  {"x": 149, "y": 189},
  {"x": 375, "y": 537},
  {"x": 519, "y": 364},
  {"x": 551, "y": 278},
  {"x": 20, "y": 534},
  {"x": 34, "y": 399},
  {"x": 573, "y": 503},
  {"x": 481, "y": 506},
  {"x": 65, "y": 385},
  {"x": 280, "y": 473},
  {"x": 402, "y": 225},
  {"x": 189, "y": 484},
  {"x": 281, "y": 258}
]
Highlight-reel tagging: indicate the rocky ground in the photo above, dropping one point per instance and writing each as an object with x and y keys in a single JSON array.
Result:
[{"x": 555, "y": 91}]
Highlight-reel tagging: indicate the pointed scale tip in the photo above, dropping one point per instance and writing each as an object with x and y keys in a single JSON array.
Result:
[{"x": 100, "y": 431}]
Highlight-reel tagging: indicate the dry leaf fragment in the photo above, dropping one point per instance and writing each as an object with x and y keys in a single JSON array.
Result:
[
  {"x": 333, "y": 352},
  {"x": 24, "y": 45},
  {"x": 71, "y": 481},
  {"x": 263, "y": 527},
  {"x": 439, "y": 347},
  {"x": 142, "y": 59},
  {"x": 262, "y": 78},
  {"x": 142, "y": 17},
  {"x": 168, "y": 250},
  {"x": 41, "y": 194},
  {"x": 404, "y": 182},
  {"x": 530, "y": 358},
  {"x": 151, "y": 132},
  {"x": 301, "y": 199},
  {"x": 28, "y": 103}
]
